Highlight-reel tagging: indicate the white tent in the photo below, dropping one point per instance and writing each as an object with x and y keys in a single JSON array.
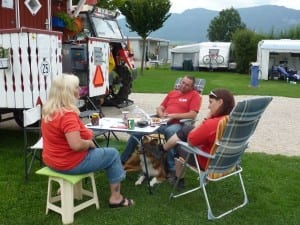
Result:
[
  {"x": 272, "y": 53},
  {"x": 185, "y": 56}
]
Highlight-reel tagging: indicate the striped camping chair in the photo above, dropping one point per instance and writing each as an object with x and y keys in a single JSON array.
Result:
[{"x": 231, "y": 141}]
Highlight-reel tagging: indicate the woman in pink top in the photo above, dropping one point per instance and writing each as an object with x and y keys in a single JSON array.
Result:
[
  {"x": 68, "y": 145},
  {"x": 221, "y": 103}
]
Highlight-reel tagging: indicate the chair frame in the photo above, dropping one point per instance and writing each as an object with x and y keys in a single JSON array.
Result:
[
  {"x": 203, "y": 180},
  {"x": 226, "y": 161},
  {"x": 31, "y": 124}
]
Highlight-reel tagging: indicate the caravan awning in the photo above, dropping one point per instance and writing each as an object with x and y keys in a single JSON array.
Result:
[
  {"x": 283, "y": 45},
  {"x": 186, "y": 48}
]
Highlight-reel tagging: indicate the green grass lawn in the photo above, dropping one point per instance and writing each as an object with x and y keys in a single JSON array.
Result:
[
  {"x": 272, "y": 181},
  {"x": 272, "y": 184},
  {"x": 162, "y": 80}
]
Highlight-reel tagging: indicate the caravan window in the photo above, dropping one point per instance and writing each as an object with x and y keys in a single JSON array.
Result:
[{"x": 106, "y": 28}]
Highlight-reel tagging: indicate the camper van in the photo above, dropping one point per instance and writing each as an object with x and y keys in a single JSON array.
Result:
[
  {"x": 36, "y": 45},
  {"x": 203, "y": 55},
  {"x": 271, "y": 54}
]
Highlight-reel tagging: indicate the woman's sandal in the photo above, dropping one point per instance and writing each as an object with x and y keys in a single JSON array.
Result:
[{"x": 122, "y": 203}]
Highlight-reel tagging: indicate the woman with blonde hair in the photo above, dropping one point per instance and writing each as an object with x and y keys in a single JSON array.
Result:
[{"x": 68, "y": 144}]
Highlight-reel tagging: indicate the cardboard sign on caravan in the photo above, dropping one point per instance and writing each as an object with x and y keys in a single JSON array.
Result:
[{"x": 99, "y": 67}]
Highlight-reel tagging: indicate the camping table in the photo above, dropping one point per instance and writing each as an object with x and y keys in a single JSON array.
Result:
[{"x": 110, "y": 124}]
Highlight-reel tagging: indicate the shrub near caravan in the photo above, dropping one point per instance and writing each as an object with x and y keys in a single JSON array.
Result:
[{"x": 41, "y": 39}]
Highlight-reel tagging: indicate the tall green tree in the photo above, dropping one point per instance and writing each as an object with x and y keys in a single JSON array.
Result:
[
  {"x": 144, "y": 17},
  {"x": 245, "y": 48},
  {"x": 223, "y": 26}
]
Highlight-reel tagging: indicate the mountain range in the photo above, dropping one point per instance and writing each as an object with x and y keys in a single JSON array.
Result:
[{"x": 191, "y": 25}]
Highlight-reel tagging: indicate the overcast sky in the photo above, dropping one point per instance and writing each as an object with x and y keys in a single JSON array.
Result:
[{"x": 178, "y": 6}]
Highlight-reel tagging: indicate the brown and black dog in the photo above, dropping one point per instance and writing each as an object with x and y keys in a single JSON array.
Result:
[{"x": 155, "y": 162}]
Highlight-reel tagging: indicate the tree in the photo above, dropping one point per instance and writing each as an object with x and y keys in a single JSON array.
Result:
[
  {"x": 245, "y": 48},
  {"x": 223, "y": 26},
  {"x": 144, "y": 17},
  {"x": 109, "y": 4}
]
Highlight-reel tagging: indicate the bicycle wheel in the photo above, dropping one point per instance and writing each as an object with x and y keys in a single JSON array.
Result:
[
  {"x": 206, "y": 59},
  {"x": 219, "y": 59}
]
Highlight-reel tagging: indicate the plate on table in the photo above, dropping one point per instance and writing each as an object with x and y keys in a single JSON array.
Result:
[{"x": 158, "y": 121}]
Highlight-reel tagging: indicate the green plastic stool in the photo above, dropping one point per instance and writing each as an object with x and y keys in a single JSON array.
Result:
[{"x": 70, "y": 188}]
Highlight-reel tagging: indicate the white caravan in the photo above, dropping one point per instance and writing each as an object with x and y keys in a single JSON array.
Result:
[
  {"x": 216, "y": 55},
  {"x": 203, "y": 55}
]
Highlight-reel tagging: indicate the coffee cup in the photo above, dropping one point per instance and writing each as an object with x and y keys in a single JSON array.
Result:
[
  {"x": 94, "y": 117},
  {"x": 125, "y": 117}
]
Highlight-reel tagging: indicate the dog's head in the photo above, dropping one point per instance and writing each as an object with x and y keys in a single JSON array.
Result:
[{"x": 151, "y": 148}]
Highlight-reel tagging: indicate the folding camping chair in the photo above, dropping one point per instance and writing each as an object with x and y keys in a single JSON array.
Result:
[
  {"x": 226, "y": 160},
  {"x": 32, "y": 134},
  {"x": 198, "y": 86}
]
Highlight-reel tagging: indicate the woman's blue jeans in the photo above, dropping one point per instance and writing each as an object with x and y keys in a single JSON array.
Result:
[{"x": 97, "y": 159}]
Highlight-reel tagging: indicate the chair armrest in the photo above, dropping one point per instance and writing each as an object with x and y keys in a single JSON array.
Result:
[
  {"x": 194, "y": 150},
  {"x": 153, "y": 115},
  {"x": 187, "y": 121},
  {"x": 183, "y": 121}
]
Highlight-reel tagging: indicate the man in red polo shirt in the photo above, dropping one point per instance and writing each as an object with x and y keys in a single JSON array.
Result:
[{"x": 183, "y": 103}]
